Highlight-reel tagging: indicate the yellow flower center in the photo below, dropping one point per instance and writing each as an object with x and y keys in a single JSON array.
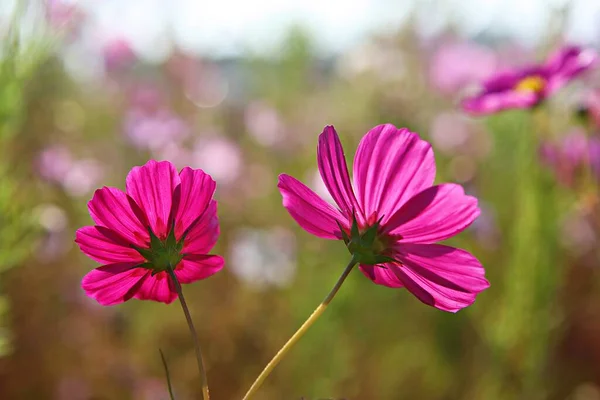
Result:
[{"x": 534, "y": 83}]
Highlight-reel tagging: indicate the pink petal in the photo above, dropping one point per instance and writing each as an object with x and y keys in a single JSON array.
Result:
[
  {"x": 390, "y": 166},
  {"x": 440, "y": 276},
  {"x": 489, "y": 103},
  {"x": 115, "y": 210},
  {"x": 381, "y": 275},
  {"x": 203, "y": 235},
  {"x": 158, "y": 287},
  {"x": 194, "y": 267},
  {"x": 103, "y": 245},
  {"x": 437, "y": 213},
  {"x": 311, "y": 212},
  {"x": 113, "y": 283},
  {"x": 334, "y": 171},
  {"x": 152, "y": 186},
  {"x": 191, "y": 198}
]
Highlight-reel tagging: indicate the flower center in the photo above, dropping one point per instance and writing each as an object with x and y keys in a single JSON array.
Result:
[
  {"x": 162, "y": 254},
  {"x": 366, "y": 245},
  {"x": 533, "y": 83}
]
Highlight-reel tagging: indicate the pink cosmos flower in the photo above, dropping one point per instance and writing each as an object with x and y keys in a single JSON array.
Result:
[
  {"x": 163, "y": 220},
  {"x": 529, "y": 86},
  {"x": 394, "y": 215}
]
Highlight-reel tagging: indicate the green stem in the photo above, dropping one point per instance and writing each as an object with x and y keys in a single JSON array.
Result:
[
  {"x": 203, "y": 379},
  {"x": 164, "y": 361},
  {"x": 299, "y": 333}
]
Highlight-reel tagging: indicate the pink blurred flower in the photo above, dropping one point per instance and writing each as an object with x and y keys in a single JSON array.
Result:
[
  {"x": 569, "y": 156},
  {"x": 264, "y": 257},
  {"x": 76, "y": 177},
  {"x": 177, "y": 154},
  {"x": 220, "y": 157},
  {"x": 64, "y": 16},
  {"x": 163, "y": 220},
  {"x": 154, "y": 130},
  {"x": 145, "y": 97},
  {"x": 82, "y": 177},
  {"x": 454, "y": 66},
  {"x": 397, "y": 212},
  {"x": 53, "y": 163},
  {"x": 529, "y": 86},
  {"x": 118, "y": 55},
  {"x": 264, "y": 124}
]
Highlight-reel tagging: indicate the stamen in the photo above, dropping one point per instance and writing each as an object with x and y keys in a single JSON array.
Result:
[{"x": 533, "y": 83}]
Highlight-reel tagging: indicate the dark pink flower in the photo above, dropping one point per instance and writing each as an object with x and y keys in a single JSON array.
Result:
[
  {"x": 527, "y": 87},
  {"x": 163, "y": 220},
  {"x": 397, "y": 211}
]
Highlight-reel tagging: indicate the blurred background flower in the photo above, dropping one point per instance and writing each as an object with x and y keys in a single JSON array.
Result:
[{"x": 263, "y": 257}]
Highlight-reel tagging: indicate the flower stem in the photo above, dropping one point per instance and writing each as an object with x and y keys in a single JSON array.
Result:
[
  {"x": 164, "y": 361},
  {"x": 203, "y": 379},
  {"x": 299, "y": 333}
]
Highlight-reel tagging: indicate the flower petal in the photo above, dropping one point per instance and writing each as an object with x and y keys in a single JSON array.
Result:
[
  {"x": 311, "y": 212},
  {"x": 489, "y": 103},
  {"x": 115, "y": 210},
  {"x": 191, "y": 198},
  {"x": 334, "y": 171},
  {"x": 152, "y": 186},
  {"x": 440, "y": 276},
  {"x": 158, "y": 287},
  {"x": 437, "y": 213},
  {"x": 194, "y": 267},
  {"x": 103, "y": 245},
  {"x": 113, "y": 283},
  {"x": 203, "y": 235},
  {"x": 390, "y": 166},
  {"x": 568, "y": 62},
  {"x": 381, "y": 275}
]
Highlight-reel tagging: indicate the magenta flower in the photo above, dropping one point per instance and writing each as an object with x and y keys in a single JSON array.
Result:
[
  {"x": 392, "y": 216},
  {"x": 163, "y": 220},
  {"x": 529, "y": 86}
]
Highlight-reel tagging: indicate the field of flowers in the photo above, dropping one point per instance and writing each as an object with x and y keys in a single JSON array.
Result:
[{"x": 517, "y": 128}]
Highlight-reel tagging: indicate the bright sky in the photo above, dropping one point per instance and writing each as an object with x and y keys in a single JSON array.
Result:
[{"x": 225, "y": 27}]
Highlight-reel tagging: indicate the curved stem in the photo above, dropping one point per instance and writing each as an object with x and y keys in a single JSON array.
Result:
[
  {"x": 203, "y": 379},
  {"x": 299, "y": 333},
  {"x": 164, "y": 361}
]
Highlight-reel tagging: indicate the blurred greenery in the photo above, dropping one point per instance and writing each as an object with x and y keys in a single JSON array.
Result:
[{"x": 532, "y": 335}]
